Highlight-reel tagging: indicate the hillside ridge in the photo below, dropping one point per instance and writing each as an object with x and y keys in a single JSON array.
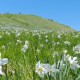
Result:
[{"x": 30, "y": 22}]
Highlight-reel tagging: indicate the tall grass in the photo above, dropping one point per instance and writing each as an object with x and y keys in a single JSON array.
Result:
[{"x": 42, "y": 47}]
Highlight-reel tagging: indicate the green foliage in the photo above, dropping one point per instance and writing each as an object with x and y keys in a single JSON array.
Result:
[
  {"x": 41, "y": 47},
  {"x": 30, "y": 22}
]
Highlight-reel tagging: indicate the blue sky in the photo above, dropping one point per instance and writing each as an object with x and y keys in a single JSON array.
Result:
[{"x": 63, "y": 11}]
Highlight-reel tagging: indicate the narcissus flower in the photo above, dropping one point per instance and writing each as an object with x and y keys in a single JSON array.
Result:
[
  {"x": 25, "y": 47},
  {"x": 43, "y": 69},
  {"x": 2, "y": 62},
  {"x": 53, "y": 70},
  {"x": 73, "y": 63},
  {"x": 76, "y": 49},
  {"x": 67, "y": 42},
  {"x": 40, "y": 69}
]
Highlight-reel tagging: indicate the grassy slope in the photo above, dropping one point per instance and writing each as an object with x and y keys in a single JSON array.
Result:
[{"x": 30, "y": 22}]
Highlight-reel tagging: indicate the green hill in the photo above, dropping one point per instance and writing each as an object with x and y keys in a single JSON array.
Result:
[{"x": 31, "y": 22}]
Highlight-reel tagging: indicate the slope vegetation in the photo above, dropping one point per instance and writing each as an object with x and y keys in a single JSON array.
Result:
[{"x": 30, "y": 22}]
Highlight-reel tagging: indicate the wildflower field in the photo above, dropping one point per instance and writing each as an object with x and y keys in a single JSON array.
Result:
[{"x": 39, "y": 55}]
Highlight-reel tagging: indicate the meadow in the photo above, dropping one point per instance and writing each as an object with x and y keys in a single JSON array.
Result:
[{"x": 39, "y": 55}]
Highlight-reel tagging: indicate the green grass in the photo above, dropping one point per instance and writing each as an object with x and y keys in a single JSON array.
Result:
[
  {"x": 44, "y": 39},
  {"x": 30, "y": 22},
  {"x": 21, "y": 66}
]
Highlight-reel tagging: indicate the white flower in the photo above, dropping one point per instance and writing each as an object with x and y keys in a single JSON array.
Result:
[
  {"x": 25, "y": 47},
  {"x": 61, "y": 65},
  {"x": 19, "y": 41},
  {"x": 38, "y": 51},
  {"x": 3, "y": 61},
  {"x": 55, "y": 54},
  {"x": 46, "y": 40},
  {"x": 65, "y": 57},
  {"x": 76, "y": 49},
  {"x": 40, "y": 69},
  {"x": 59, "y": 36},
  {"x": 26, "y": 42},
  {"x": 1, "y": 72},
  {"x": 17, "y": 34},
  {"x": 57, "y": 43},
  {"x": 46, "y": 67},
  {"x": 7, "y": 33},
  {"x": 23, "y": 50},
  {"x": 73, "y": 63},
  {"x": 46, "y": 36},
  {"x": 65, "y": 51},
  {"x": 3, "y": 47},
  {"x": 43, "y": 69},
  {"x": 39, "y": 36},
  {"x": 67, "y": 42},
  {"x": 53, "y": 70}
]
